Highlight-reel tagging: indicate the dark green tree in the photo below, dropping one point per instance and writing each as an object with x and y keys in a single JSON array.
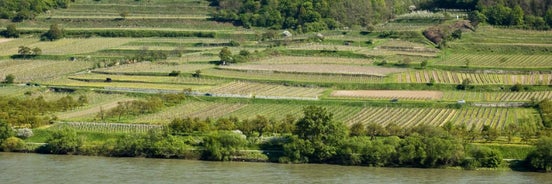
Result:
[
  {"x": 487, "y": 157},
  {"x": 24, "y": 51},
  {"x": 261, "y": 124},
  {"x": 225, "y": 56},
  {"x": 516, "y": 17},
  {"x": 548, "y": 16},
  {"x": 423, "y": 64},
  {"x": 317, "y": 124},
  {"x": 9, "y": 79},
  {"x": 11, "y": 31},
  {"x": 36, "y": 51},
  {"x": 317, "y": 131},
  {"x": 54, "y": 33},
  {"x": 541, "y": 158}
]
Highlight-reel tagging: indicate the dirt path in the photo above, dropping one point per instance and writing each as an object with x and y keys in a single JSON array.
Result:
[
  {"x": 2, "y": 40},
  {"x": 94, "y": 110}
]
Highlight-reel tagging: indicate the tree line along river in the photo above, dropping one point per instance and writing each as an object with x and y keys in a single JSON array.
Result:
[{"x": 37, "y": 168}]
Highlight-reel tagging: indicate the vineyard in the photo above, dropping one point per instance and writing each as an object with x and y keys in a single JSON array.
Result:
[
  {"x": 276, "y": 111},
  {"x": 489, "y": 34},
  {"x": 496, "y": 60},
  {"x": 146, "y": 79},
  {"x": 190, "y": 109},
  {"x": 152, "y": 68},
  {"x": 389, "y": 94},
  {"x": 317, "y": 69},
  {"x": 524, "y": 96},
  {"x": 400, "y": 26},
  {"x": 259, "y": 90},
  {"x": 107, "y": 127},
  {"x": 283, "y": 77},
  {"x": 313, "y": 60},
  {"x": 448, "y": 77},
  {"x": 477, "y": 116},
  {"x": 40, "y": 70},
  {"x": 404, "y": 117},
  {"x": 173, "y": 88}
]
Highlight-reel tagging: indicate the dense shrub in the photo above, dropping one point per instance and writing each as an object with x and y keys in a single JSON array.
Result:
[
  {"x": 154, "y": 144},
  {"x": 541, "y": 158},
  {"x": 10, "y": 32},
  {"x": 486, "y": 157},
  {"x": 12, "y": 144},
  {"x": 54, "y": 33},
  {"x": 62, "y": 141},
  {"x": 222, "y": 146}
]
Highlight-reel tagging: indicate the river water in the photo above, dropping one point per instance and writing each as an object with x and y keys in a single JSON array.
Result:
[{"x": 36, "y": 168}]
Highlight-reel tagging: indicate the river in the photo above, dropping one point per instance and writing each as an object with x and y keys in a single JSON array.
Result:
[{"x": 36, "y": 168}]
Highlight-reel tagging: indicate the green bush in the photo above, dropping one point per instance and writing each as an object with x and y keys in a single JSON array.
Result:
[
  {"x": 13, "y": 144},
  {"x": 541, "y": 158},
  {"x": 63, "y": 141},
  {"x": 9, "y": 79},
  {"x": 55, "y": 33},
  {"x": 10, "y": 32},
  {"x": 486, "y": 157},
  {"x": 222, "y": 146}
]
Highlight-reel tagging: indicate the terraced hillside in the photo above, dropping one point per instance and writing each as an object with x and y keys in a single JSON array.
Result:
[{"x": 122, "y": 50}]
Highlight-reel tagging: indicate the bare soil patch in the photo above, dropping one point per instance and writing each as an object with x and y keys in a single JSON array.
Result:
[
  {"x": 390, "y": 94},
  {"x": 2, "y": 40}
]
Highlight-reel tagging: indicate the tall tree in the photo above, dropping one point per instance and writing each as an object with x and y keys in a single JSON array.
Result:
[
  {"x": 516, "y": 16},
  {"x": 317, "y": 136},
  {"x": 225, "y": 56},
  {"x": 11, "y": 31},
  {"x": 54, "y": 33},
  {"x": 541, "y": 158}
]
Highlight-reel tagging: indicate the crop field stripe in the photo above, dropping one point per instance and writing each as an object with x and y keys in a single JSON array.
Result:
[{"x": 437, "y": 120}]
